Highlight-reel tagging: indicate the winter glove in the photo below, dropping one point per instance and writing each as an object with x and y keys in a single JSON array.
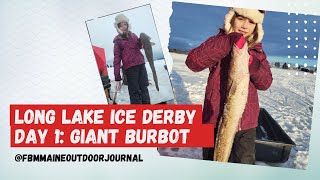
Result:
[
  {"x": 240, "y": 43},
  {"x": 240, "y": 60},
  {"x": 250, "y": 59}
]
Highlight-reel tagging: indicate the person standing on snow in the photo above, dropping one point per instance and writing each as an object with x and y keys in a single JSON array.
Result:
[
  {"x": 243, "y": 29},
  {"x": 127, "y": 50}
]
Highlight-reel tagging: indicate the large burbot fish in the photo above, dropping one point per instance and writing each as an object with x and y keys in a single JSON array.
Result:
[
  {"x": 147, "y": 46},
  {"x": 238, "y": 86}
]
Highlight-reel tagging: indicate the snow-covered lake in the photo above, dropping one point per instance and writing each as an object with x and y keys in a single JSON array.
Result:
[{"x": 289, "y": 101}]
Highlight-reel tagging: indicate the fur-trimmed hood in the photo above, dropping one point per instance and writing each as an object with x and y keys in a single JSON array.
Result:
[
  {"x": 256, "y": 16},
  {"x": 121, "y": 18}
]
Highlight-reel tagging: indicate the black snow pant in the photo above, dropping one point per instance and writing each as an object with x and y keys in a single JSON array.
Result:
[
  {"x": 137, "y": 78},
  {"x": 243, "y": 148}
]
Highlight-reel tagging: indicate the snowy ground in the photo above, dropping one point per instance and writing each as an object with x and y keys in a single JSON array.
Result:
[
  {"x": 165, "y": 92},
  {"x": 289, "y": 101}
]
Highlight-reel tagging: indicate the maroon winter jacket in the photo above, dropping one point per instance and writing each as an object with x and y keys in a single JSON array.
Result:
[
  {"x": 215, "y": 54},
  {"x": 127, "y": 50}
]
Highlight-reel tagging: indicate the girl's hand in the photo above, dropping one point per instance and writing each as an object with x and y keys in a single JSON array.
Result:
[
  {"x": 118, "y": 85},
  {"x": 241, "y": 54},
  {"x": 240, "y": 61},
  {"x": 240, "y": 43}
]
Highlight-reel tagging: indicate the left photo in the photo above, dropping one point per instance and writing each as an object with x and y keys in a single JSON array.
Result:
[{"x": 129, "y": 57}]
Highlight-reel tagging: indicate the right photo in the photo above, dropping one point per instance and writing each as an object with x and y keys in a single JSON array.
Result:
[{"x": 254, "y": 72}]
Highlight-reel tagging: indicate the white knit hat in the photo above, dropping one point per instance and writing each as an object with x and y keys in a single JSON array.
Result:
[
  {"x": 121, "y": 18},
  {"x": 253, "y": 14}
]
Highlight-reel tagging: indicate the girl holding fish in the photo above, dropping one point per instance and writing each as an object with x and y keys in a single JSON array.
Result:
[
  {"x": 238, "y": 68},
  {"x": 127, "y": 49}
]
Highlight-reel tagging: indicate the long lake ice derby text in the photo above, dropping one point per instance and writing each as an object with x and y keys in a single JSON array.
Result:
[{"x": 87, "y": 126}]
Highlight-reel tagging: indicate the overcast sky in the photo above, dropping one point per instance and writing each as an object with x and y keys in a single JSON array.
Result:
[
  {"x": 102, "y": 30},
  {"x": 192, "y": 24}
]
